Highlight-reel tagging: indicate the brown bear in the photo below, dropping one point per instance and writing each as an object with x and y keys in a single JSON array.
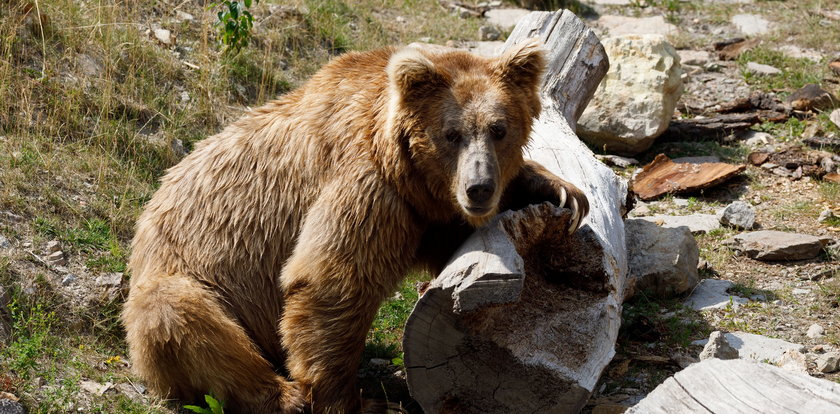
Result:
[{"x": 259, "y": 265}]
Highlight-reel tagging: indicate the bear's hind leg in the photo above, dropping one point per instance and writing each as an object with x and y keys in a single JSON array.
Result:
[{"x": 185, "y": 345}]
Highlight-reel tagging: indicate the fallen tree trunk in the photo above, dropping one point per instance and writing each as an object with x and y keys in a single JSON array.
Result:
[
  {"x": 524, "y": 318},
  {"x": 715, "y": 386}
]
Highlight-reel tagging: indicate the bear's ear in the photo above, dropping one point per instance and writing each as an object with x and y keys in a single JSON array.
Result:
[
  {"x": 410, "y": 72},
  {"x": 523, "y": 64}
]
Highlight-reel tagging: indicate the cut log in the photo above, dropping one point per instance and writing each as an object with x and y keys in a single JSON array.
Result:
[
  {"x": 524, "y": 318},
  {"x": 740, "y": 386}
]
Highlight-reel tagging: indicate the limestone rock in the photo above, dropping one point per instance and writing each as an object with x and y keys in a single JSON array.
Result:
[
  {"x": 109, "y": 279},
  {"x": 636, "y": 99},
  {"x": 505, "y": 19},
  {"x": 793, "y": 360},
  {"x": 762, "y": 70},
  {"x": 696, "y": 223},
  {"x": 718, "y": 347},
  {"x": 164, "y": 36},
  {"x": 739, "y": 215},
  {"x": 815, "y": 331},
  {"x": 750, "y": 24},
  {"x": 776, "y": 245},
  {"x": 621, "y": 25},
  {"x": 488, "y": 33},
  {"x": 712, "y": 294},
  {"x": 662, "y": 260},
  {"x": 694, "y": 57},
  {"x": 828, "y": 362},
  {"x": 761, "y": 348}
]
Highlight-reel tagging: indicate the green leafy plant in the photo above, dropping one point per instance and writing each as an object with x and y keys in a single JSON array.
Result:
[
  {"x": 213, "y": 406},
  {"x": 235, "y": 24}
]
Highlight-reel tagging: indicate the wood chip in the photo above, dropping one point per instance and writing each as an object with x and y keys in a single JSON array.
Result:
[{"x": 663, "y": 176}]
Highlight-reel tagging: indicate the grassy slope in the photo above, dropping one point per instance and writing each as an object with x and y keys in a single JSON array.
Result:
[{"x": 90, "y": 104}]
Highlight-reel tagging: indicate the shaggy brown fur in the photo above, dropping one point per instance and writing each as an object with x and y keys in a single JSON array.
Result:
[{"x": 259, "y": 264}]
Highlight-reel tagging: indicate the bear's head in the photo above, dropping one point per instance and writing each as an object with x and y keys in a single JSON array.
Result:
[{"x": 464, "y": 120}]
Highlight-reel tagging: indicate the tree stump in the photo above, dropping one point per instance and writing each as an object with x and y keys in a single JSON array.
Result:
[{"x": 524, "y": 318}]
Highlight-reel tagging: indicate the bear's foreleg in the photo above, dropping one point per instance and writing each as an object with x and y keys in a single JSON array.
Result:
[
  {"x": 355, "y": 245},
  {"x": 535, "y": 184}
]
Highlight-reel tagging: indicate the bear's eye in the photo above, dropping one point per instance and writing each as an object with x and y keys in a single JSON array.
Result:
[
  {"x": 497, "y": 131},
  {"x": 453, "y": 136}
]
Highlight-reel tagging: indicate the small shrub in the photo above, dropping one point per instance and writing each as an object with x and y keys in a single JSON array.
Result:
[{"x": 235, "y": 24}]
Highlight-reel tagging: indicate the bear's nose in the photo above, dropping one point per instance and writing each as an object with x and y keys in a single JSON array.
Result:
[{"x": 480, "y": 192}]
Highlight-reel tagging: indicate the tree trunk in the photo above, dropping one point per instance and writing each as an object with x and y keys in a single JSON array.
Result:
[{"x": 524, "y": 318}]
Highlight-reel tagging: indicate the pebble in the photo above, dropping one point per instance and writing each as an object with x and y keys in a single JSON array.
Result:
[
  {"x": 109, "y": 279},
  {"x": 828, "y": 362},
  {"x": 4, "y": 242},
  {"x": 825, "y": 215},
  {"x": 739, "y": 215},
  {"x": 164, "y": 36},
  {"x": 815, "y": 331},
  {"x": 761, "y": 69},
  {"x": 52, "y": 247},
  {"x": 68, "y": 279},
  {"x": 489, "y": 33}
]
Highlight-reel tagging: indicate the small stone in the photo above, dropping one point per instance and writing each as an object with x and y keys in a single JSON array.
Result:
[
  {"x": 68, "y": 279},
  {"x": 696, "y": 223},
  {"x": 797, "y": 52},
  {"x": 14, "y": 218},
  {"x": 739, "y": 215},
  {"x": 750, "y": 24},
  {"x": 800, "y": 291},
  {"x": 401, "y": 19},
  {"x": 164, "y": 36},
  {"x": 94, "y": 387},
  {"x": 793, "y": 360},
  {"x": 694, "y": 57},
  {"x": 825, "y": 215},
  {"x": 761, "y": 69},
  {"x": 56, "y": 259},
  {"x": 828, "y": 362},
  {"x": 489, "y": 33},
  {"x": 718, "y": 347},
  {"x": 184, "y": 16},
  {"x": 815, "y": 331},
  {"x": 4, "y": 242},
  {"x": 109, "y": 279},
  {"x": 756, "y": 139},
  {"x": 835, "y": 117},
  {"x": 52, "y": 247}
]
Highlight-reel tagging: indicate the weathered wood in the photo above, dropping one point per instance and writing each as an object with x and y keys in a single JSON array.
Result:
[
  {"x": 524, "y": 318},
  {"x": 740, "y": 386}
]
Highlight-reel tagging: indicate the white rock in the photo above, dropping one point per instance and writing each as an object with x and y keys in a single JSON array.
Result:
[
  {"x": 712, "y": 294},
  {"x": 94, "y": 387},
  {"x": 56, "y": 258},
  {"x": 797, "y": 52},
  {"x": 505, "y": 19},
  {"x": 739, "y": 215},
  {"x": 68, "y": 279},
  {"x": 663, "y": 261},
  {"x": 636, "y": 99},
  {"x": 750, "y": 24},
  {"x": 184, "y": 16},
  {"x": 621, "y": 25},
  {"x": 815, "y": 331},
  {"x": 694, "y": 57},
  {"x": 164, "y": 36},
  {"x": 696, "y": 223},
  {"x": 825, "y": 215},
  {"x": 109, "y": 279},
  {"x": 4, "y": 242},
  {"x": 718, "y": 347},
  {"x": 760, "y": 348},
  {"x": 761, "y": 69},
  {"x": 793, "y": 360},
  {"x": 756, "y": 139},
  {"x": 828, "y": 362},
  {"x": 835, "y": 117}
]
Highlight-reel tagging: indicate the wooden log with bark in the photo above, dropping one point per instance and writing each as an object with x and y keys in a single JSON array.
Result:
[{"x": 524, "y": 318}]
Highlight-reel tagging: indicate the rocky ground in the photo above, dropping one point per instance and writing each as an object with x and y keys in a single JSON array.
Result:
[{"x": 82, "y": 148}]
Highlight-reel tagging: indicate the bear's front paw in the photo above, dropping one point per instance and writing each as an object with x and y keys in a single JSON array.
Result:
[{"x": 571, "y": 197}]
